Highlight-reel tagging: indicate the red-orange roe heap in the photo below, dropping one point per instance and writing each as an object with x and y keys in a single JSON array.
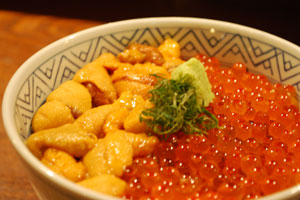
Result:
[{"x": 256, "y": 153}]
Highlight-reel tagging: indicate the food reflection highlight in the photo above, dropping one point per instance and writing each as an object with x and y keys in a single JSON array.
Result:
[{"x": 243, "y": 143}]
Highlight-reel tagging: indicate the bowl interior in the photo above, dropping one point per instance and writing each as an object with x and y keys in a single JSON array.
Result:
[{"x": 262, "y": 53}]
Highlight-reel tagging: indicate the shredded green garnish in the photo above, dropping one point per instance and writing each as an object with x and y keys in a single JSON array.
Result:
[{"x": 176, "y": 109}]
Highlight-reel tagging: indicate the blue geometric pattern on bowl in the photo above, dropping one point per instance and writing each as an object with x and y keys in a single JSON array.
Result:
[{"x": 277, "y": 64}]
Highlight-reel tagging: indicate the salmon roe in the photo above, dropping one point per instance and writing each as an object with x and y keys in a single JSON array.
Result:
[{"x": 256, "y": 153}]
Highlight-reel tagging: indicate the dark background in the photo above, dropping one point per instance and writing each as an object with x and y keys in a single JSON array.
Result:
[{"x": 279, "y": 17}]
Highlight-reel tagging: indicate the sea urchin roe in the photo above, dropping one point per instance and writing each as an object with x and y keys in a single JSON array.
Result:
[{"x": 256, "y": 153}]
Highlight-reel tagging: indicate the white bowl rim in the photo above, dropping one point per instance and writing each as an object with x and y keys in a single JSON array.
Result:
[{"x": 8, "y": 110}]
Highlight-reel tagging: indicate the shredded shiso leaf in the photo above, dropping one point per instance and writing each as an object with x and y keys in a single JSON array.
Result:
[{"x": 178, "y": 106}]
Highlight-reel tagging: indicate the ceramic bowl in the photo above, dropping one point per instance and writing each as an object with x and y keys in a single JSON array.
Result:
[{"x": 262, "y": 53}]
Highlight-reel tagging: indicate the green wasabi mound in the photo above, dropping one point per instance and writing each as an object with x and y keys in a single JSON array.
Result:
[{"x": 195, "y": 71}]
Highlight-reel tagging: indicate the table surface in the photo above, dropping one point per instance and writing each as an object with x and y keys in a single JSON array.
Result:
[{"x": 21, "y": 35}]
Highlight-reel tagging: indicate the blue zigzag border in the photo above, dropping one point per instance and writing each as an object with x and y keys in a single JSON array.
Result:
[{"x": 156, "y": 33}]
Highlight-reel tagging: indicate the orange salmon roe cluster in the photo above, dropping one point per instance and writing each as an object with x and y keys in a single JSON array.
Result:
[{"x": 255, "y": 153}]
